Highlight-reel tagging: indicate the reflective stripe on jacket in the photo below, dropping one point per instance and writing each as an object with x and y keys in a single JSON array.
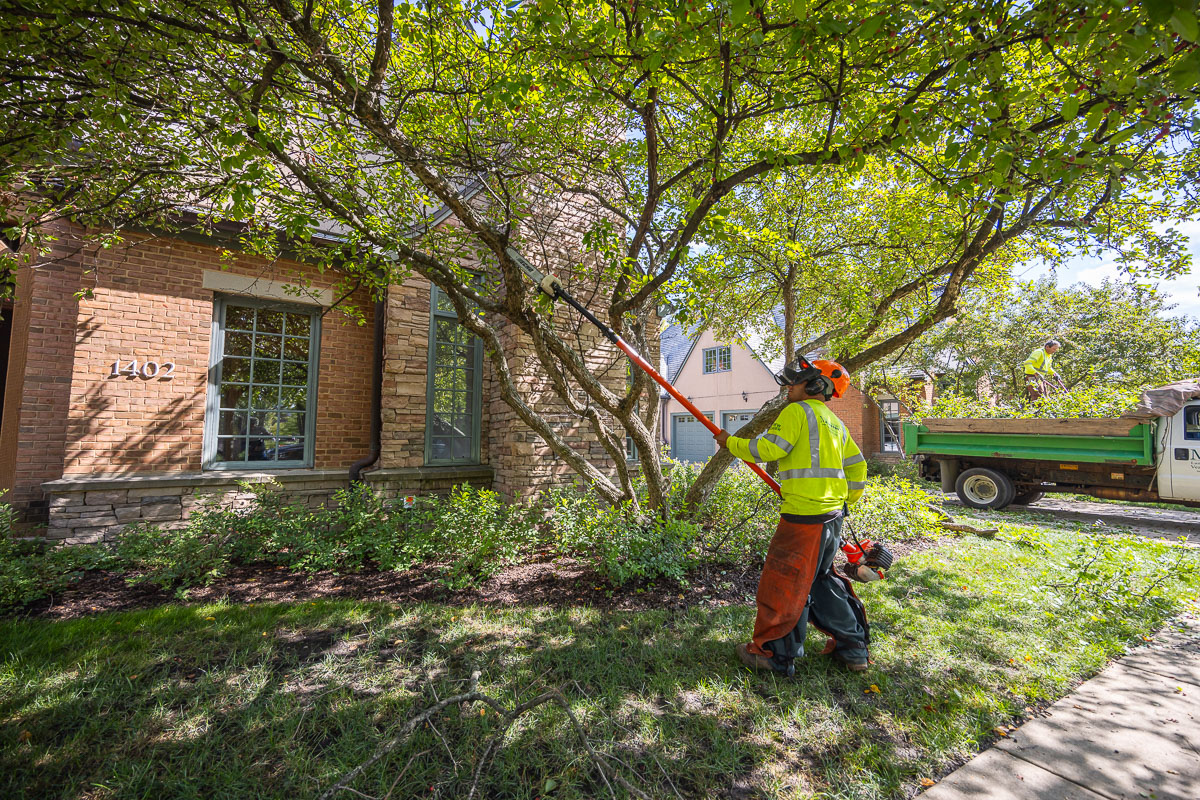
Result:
[
  {"x": 1038, "y": 363},
  {"x": 820, "y": 466}
]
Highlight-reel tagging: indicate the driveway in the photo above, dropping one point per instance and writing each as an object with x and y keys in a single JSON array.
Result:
[{"x": 1159, "y": 523}]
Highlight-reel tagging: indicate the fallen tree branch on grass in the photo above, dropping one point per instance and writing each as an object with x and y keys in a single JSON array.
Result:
[
  {"x": 951, "y": 524},
  {"x": 960, "y": 527},
  {"x": 607, "y": 773}
]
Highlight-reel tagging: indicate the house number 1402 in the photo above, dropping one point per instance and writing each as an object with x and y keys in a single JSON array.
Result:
[{"x": 146, "y": 369}]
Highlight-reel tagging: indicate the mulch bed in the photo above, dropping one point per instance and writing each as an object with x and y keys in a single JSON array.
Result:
[{"x": 545, "y": 581}]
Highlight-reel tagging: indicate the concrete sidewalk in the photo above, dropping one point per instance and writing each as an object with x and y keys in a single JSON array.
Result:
[{"x": 1133, "y": 731}]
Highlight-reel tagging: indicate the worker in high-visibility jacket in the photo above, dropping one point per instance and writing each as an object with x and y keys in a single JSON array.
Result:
[
  {"x": 1040, "y": 377},
  {"x": 821, "y": 472}
]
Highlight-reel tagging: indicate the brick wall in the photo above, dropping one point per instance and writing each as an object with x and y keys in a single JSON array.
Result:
[
  {"x": 861, "y": 416},
  {"x": 146, "y": 301},
  {"x": 38, "y": 387},
  {"x": 552, "y": 239}
]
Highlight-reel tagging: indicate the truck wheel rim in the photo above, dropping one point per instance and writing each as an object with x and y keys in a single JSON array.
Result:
[{"x": 981, "y": 489}]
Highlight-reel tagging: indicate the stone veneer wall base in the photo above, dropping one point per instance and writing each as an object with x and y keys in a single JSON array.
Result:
[{"x": 90, "y": 509}]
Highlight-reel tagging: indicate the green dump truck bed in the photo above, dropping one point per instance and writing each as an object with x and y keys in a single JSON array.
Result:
[{"x": 1102, "y": 441}]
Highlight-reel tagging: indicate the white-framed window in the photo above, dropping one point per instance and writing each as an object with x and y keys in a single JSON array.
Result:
[
  {"x": 262, "y": 385},
  {"x": 889, "y": 419},
  {"x": 717, "y": 359},
  {"x": 453, "y": 402}
]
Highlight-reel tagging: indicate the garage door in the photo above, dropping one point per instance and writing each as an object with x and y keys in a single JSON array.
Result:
[
  {"x": 690, "y": 440},
  {"x": 732, "y": 421}
]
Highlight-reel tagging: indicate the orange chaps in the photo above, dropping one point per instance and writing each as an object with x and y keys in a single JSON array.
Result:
[{"x": 798, "y": 583}]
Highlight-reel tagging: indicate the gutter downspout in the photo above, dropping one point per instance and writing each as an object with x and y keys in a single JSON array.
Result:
[{"x": 376, "y": 392}]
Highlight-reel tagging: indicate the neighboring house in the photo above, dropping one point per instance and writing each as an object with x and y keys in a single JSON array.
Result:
[
  {"x": 730, "y": 382},
  {"x": 144, "y": 380}
]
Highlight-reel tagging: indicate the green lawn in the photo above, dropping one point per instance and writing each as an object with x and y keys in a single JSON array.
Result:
[{"x": 280, "y": 701}]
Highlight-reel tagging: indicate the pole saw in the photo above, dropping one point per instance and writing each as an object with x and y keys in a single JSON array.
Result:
[{"x": 867, "y": 559}]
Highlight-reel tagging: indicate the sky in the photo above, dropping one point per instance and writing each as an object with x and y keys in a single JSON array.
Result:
[{"x": 1181, "y": 291}]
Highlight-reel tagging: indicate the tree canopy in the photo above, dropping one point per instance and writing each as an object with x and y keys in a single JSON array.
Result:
[
  {"x": 361, "y": 118},
  {"x": 1114, "y": 334}
]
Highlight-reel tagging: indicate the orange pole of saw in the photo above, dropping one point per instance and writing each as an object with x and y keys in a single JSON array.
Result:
[
  {"x": 671, "y": 390},
  {"x": 553, "y": 288}
]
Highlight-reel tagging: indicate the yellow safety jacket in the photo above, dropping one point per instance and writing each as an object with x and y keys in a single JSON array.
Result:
[
  {"x": 1038, "y": 363},
  {"x": 820, "y": 466}
]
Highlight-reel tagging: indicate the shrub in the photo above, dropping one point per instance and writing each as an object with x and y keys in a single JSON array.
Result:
[
  {"x": 358, "y": 529},
  {"x": 619, "y": 546},
  {"x": 740, "y": 516},
  {"x": 176, "y": 559},
  {"x": 31, "y": 570},
  {"x": 894, "y": 508},
  {"x": 478, "y": 534},
  {"x": 905, "y": 468}
]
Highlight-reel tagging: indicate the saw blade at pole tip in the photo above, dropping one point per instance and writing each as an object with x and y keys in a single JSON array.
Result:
[{"x": 548, "y": 284}]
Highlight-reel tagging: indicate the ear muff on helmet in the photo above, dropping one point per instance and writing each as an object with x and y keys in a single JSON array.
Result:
[
  {"x": 820, "y": 387},
  {"x": 837, "y": 376}
]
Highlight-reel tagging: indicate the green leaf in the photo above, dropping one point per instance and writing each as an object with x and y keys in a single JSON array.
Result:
[
  {"x": 871, "y": 26},
  {"x": 1184, "y": 23},
  {"x": 1160, "y": 10},
  {"x": 1070, "y": 108}
]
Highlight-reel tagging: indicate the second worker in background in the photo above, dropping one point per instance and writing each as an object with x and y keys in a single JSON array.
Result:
[{"x": 821, "y": 472}]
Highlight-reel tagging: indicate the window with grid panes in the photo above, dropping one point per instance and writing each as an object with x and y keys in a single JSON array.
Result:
[
  {"x": 262, "y": 387},
  {"x": 717, "y": 359},
  {"x": 889, "y": 413},
  {"x": 452, "y": 419}
]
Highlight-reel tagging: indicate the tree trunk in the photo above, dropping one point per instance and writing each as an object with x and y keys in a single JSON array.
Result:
[{"x": 698, "y": 495}]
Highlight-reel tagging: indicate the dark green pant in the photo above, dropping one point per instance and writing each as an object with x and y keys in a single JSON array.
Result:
[{"x": 799, "y": 584}]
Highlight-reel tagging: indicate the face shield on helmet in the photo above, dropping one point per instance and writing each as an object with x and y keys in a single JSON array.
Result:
[
  {"x": 798, "y": 370},
  {"x": 819, "y": 378}
]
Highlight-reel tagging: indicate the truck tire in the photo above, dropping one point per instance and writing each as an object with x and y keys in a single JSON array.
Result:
[
  {"x": 1025, "y": 498},
  {"x": 980, "y": 487}
]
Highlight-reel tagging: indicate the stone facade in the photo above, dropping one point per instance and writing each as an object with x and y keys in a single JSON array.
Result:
[{"x": 89, "y": 510}]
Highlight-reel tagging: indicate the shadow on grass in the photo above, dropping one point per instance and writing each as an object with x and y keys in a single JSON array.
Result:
[{"x": 280, "y": 701}]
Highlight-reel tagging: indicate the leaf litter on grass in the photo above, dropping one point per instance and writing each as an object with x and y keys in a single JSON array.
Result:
[{"x": 658, "y": 691}]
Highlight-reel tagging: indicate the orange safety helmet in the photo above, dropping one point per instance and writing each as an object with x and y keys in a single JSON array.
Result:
[{"x": 837, "y": 375}]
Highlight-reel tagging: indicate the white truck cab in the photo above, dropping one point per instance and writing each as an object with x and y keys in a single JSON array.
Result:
[{"x": 1179, "y": 462}]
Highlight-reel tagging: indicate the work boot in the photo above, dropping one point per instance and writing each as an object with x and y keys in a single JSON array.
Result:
[
  {"x": 851, "y": 660},
  {"x": 756, "y": 662}
]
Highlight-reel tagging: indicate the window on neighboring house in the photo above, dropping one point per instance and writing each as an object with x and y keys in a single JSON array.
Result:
[
  {"x": 889, "y": 414},
  {"x": 452, "y": 418},
  {"x": 262, "y": 385},
  {"x": 717, "y": 359}
]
